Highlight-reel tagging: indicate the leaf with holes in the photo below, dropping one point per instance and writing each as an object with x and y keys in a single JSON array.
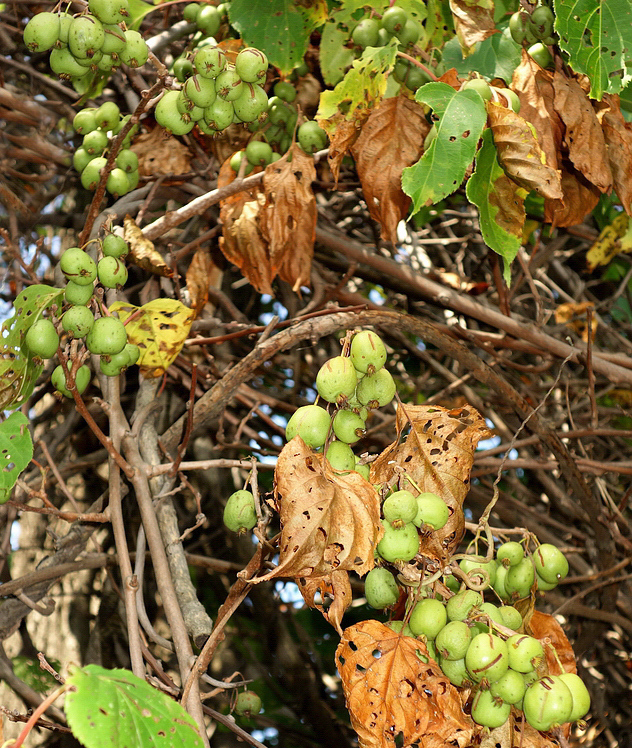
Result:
[
  {"x": 520, "y": 154},
  {"x": 19, "y": 369},
  {"x": 391, "y": 139},
  {"x": 395, "y": 691},
  {"x": 579, "y": 199},
  {"x": 143, "y": 254},
  {"x": 473, "y": 21},
  {"x": 117, "y": 709},
  {"x": 329, "y": 520},
  {"x": 500, "y": 203},
  {"x": 288, "y": 217},
  {"x": 597, "y": 36},
  {"x": 335, "y": 588},
  {"x": 159, "y": 328},
  {"x": 437, "y": 455},
  {"x": 618, "y": 136},
  {"x": 459, "y": 118},
  {"x": 16, "y": 451},
  {"x": 280, "y": 28}
]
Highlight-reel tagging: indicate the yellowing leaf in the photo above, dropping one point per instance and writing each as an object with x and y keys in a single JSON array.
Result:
[
  {"x": 159, "y": 328},
  {"x": 574, "y": 315},
  {"x": 393, "y": 687},
  {"x": 142, "y": 251},
  {"x": 613, "y": 240}
]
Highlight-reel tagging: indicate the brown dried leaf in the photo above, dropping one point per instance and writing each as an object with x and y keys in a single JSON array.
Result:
[
  {"x": 534, "y": 87},
  {"x": 288, "y": 218},
  {"x": 159, "y": 153},
  {"x": 329, "y": 521},
  {"x": 544, "y": 627},
  {"x": 584, "y": 136},
  {"x": 344, "y": 134},
  {"x": 242, "y": 242},
  {"x": 519, "y": 152},
  {"x": 574, "y": 315},
  {"x": 334, "y": 586},
  {"x": 391, "y": 139},
  {"x": 143, "y": 254},
  {"x": 437, "y": 455},
  {"x": 516, "y": 733},
  {"x": 391, "y": 686},
  {"x": 618, "y": 136},
  {"x": 474, "y": 22},
  {"x": 579, "y": 198},
  {"x": 201, "y": 273}
]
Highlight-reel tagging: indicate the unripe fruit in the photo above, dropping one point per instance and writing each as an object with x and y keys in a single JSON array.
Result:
[
  {"x": 510, "y": 553},
  {"x": 400, "y": 506},
  {"x": 540, "y": 54},
  {"x": 95, "y": 142},
  {"x": 64, "y": 64},
  {"x": 133, "y": 353},
  {"x": 364, "y": 470},
  {"x": 114, "y": 245},
  {"x": 455, "y": 671},
  {"x": 366, "y": 33},
  {"x": 431, "y": 510},
  {"x": 499, "y": 582},
  {"x": 127, "y": 160},
  {"x": 85, "y": 121},
  {"x": 107, "y": 337},
  {"x": 542, "y": 20},
  {"x": 400, "y": 628},
  {"x": 518, "y": 25},
  {"x": 550, "y": 563},
  {"x": 513, "y": 102},
  {"x": 510, "y": 617},
  {"x": 380, "y": 588},
  {"x": 168, "y": 116},
  {"x": 113, "y": 365},
  {"x": 473, "y": 570},
  {"x": 82, "y": 379},
  {"x": 85, "y": 36},
  {"x": 410, "y": 34},
  {"x": 258, "y": 153},
  {"x": 367, "y": 352},
  {"x": 108, "y": 115},
  {"x": 542, "y": 585},
  {"x": 251, "y": 65},
  {"x": 348, "y": 427},
  {"x": 219, "y": 115},
  {"x": 190, "y": 12},
  {"x": 453, "y": 641},
  {"x": 240, "y": 513},
  {"x": 75, "y": 293},
  {"x": 41, "y": 32},
  {"x": 336, "y": 379},
  {"x": 520, "y": 579},
  {"x": 78, "y": 321},
  {"x": 285, "y": 90},
  {"x": 460, "y": 606},
  {"x": 247, "y": 703},
  {"x": 109, "y": 11},
  {"x": 487, "y": 658},
  {"x": 200, "y": 90},
  {"x": 398, "y": 543},
  {"x": 510, "y": 687},
  {"x": 228, "y": 85},
  {"x": 251, "y": 103},
  {"x": 311, "y": 137},
  {"x": 136, "y": 52},
  {"x": 340, "y": 456},
  {"x": 487, "y": 711},
  {"x": 579, "y": 692},
  {"x": 81, "y": 158},
  {"x": 428, "y": 617},
  {"x": 209, "y": 62},
  {"x": 111, "y": 272},
  {"x": 117, "y": 183},
  {"x": 547, "y": 702},
  {"x": 525, "y": 653},
  {"x": 481, "y": 87},
  {"x": 114, "y": 42},
  {"x": 78, "y": 266},
  {"x": 376, "y": 390},
  {"x": 236, "y": 160},
  {"x": 394, "y": 19},
  {"x": 182, "y": 69},
  {"x": 311, "y": 423},
  {"x": 91, "y": 175},
  {"x": 208, "y": 20},
  {"x": 42, "y": 339},
  {"x": 486, "y": 612}
]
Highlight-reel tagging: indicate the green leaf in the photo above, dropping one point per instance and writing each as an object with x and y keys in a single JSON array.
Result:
[
  {"x": 440, "y": 23},
  {"x": 16, "y": 451},
  {"x": 137, "y": 11},
  {"x": 280, "y": 28},
  {"x": 363, "y": 86},
  {"x": 116, "y": 709},
  {"x": 29, "y": 670},
  {"x": 19, "y": 370},
  {"x": 500, "y": 204},
  {"x": 460, "y": 117},
  {"x": 597, "y": 35},
  {"x": 496, "y": 57}
]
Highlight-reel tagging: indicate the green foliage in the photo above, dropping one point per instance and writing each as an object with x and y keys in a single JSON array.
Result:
[
  {"x": 597, "y": 40},
  {"x": 19, "y": 370},
  {"x": 29, "y": 670},
  {"x": 501, "y": 231},
  {"x": 280, "y": 28},
  {"x": 461, "y": 117},
  {"x": 496, "y": 57},
  {"x": 115, "y": 708},
  {"x": 16, "y": 451}
]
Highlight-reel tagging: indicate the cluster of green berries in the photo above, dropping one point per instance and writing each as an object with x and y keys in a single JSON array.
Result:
[
  {"x": 217, "y": 93},
  {"x": 98, "y": 127},
  {"x": 208, "y": 18},
  {"x": 354, "y": 385},
  {"x": 536, "y": 30},
  {"x": 103, "y": 336},
  {"x": 471, "y": 639},
  {"x": 94, "y": 41}
]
